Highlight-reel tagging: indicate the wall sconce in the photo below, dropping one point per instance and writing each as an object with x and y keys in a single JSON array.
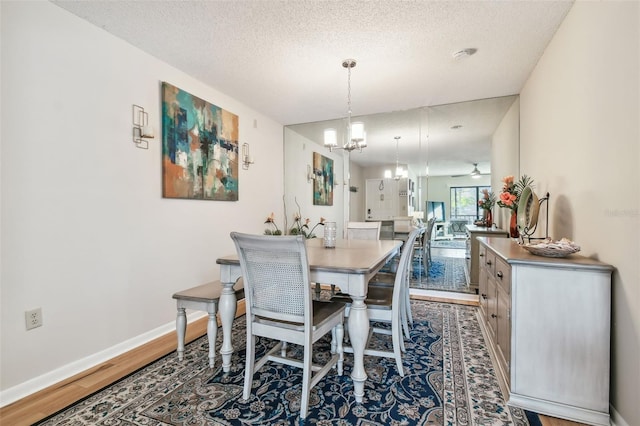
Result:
[
  {"x": 247, "y": 159},
  {"x": 141, "y": 128},
  {"x": 311, "y": 176}
]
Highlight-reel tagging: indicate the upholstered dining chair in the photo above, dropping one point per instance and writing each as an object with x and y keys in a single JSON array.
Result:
[
  {"x": 386, "y": 279},
  {"x": 385, "y": 304},
  {"x": 279, "y": 306}
]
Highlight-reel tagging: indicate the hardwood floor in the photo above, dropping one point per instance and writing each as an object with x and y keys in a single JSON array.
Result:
[
  {"x": 48, "y": 401},
  {"x": 552, "y": 421}
]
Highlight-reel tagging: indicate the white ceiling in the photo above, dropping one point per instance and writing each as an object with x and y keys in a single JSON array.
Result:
[{"x": 284, "y": 58}]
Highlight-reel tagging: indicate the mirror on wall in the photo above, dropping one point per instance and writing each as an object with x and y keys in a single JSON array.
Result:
[{"x": 438, "y": 146}]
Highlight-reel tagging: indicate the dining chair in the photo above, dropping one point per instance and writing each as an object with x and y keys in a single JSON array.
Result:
[
  {"x": 402, "y": 226},
  {"x": 279, "y": 306},
  {"x": 423, "y": 252},
  {"x": 363, "y": 230},
  {"x": 387, "y": 279},
  {"x": 357, "y": 231},
  {"x": 385, "y": 305}
]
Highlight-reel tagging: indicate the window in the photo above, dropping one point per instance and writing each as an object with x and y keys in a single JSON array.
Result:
[{"x": 464, "y": 202}]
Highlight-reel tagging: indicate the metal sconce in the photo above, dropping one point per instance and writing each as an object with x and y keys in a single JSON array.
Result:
[
  {"x": 247, "y": 159},
  {"x": 141, "y": 128}
]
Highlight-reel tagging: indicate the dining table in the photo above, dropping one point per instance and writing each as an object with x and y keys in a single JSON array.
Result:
[{"x": 349, "y": 265}]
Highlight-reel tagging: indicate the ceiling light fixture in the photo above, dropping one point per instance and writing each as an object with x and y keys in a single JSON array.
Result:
[
  {"x": 356, "y": 136},
  {"x": 475, "y": 173},
  {"x": 400, "y": 172}
]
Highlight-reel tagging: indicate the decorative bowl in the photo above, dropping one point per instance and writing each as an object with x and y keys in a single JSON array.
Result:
[{"x": 550, "y": 248}]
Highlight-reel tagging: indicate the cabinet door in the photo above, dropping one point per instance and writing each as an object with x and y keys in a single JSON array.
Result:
[
  {"x": 492, "y": 306},
  {"x": 503, "y": 322},
  {"x": 484, "y": 292}
]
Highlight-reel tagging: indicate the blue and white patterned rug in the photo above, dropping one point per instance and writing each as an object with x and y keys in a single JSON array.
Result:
[
  {"x": 451, "y": 244},
  {"x": 449, "y": 380},
  {"x": 445, "y": 274}
]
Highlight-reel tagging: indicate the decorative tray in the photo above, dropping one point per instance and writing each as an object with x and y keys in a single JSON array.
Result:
[{"x": 550, "y": 248}]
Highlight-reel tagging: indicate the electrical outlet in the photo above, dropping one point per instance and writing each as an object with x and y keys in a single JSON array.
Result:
[{"x": 33, "y": 318}]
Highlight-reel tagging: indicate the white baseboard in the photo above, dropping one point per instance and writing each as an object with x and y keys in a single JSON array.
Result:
[
  {"x": 36, "y": 384},
  {"x": 464, "y": 297},
  {"x": 616, "y": 418}
]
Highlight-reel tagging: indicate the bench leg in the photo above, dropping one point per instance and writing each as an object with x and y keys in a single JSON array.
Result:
[
  {"x": 227, "y": 308},
  {"x": 181, "y": 329},
  {"x": 212, "y": 331}
]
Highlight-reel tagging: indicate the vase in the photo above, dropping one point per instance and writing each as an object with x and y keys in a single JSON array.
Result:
[
  {"x": 488, "y": 219},
  {"x": 513, "y": 225}
]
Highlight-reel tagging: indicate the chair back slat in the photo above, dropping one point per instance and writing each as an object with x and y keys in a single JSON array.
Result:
[{"x": 276, "y": 276}]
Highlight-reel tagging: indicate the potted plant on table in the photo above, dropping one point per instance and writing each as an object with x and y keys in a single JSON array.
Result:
[
  {"x": 273, "y": 228},
  {"x": 300, "y": 228},
  {"x": 486, "y": 203},
  {"x": 510, "y": 196}
]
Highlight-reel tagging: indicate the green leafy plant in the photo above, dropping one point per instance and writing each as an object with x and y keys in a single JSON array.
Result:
[
  {"x": 488, "y": 200},
  {"x": 273, "y": 229}
]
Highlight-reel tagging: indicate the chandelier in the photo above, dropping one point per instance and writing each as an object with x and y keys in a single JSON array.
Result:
[
  {"x": 356, "y": 136},
  {"x": 400, "y": 172}
]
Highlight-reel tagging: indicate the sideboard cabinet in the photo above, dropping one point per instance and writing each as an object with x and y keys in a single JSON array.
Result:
[
  {"x": 472, "y": 258},
  {"x": 547, "y": 326}
]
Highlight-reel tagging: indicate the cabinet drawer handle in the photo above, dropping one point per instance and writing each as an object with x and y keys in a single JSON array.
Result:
[
  {"x": 484, "y": 296},
  {"x": 481, "y": 254},
  {"x": 499, "y": 274},
  {"x": 489, "y": 262},
  {"x": 494, "y": 316}
]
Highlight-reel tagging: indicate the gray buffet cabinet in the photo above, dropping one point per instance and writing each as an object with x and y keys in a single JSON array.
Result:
[
  {"x": 472, "y": 260},
  {"x": 547, "y": 326}
]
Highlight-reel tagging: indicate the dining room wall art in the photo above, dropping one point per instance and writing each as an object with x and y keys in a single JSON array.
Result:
[
  {"x": 199, "y": 148},
  {"x": 323, "y": 183}
]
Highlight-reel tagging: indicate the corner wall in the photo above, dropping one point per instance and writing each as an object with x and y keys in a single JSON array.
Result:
[
  {"x": 85, "y": 232},
  {"x": 580, "y": 140}
]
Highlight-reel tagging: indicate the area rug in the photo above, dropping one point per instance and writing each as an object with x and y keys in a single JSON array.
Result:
[
  {"x": 449, "y": 380},
  {"x": 445, "y": 274},
  {"x": 453, "y": 244}
]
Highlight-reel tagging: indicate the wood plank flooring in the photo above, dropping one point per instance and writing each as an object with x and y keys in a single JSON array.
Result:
[{"x": 48, "y": 401}]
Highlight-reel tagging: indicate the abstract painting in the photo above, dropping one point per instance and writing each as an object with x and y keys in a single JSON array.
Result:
[
  {"x": 199, "y": 148},
  {"x": 323, "y": 183}
]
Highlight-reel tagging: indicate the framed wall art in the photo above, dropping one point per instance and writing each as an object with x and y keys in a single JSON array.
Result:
[
  {"x": 323, "y": 183},
  {"x": 199, "y": 148}
]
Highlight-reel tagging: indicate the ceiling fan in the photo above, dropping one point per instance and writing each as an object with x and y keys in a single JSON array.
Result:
[{"x": 475, "y": 173}]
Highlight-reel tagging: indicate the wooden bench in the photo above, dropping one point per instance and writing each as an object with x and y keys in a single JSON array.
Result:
[{"x": 205, "y": 298}]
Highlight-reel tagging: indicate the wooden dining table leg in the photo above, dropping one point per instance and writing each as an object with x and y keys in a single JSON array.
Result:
[
  {"x": 227, "y": 310},
  {"x": 358, "y": 332}
]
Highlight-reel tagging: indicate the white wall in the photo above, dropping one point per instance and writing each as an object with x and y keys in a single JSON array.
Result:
[
  {"x": 298, "y": 155},
  {"x": 505, "y": 158},
  {"x": 580, "y": 137},
  {"x": 85, "y": 232}
]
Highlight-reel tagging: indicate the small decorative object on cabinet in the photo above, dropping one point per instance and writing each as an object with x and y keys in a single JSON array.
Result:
[{"x": 547, "y": 326}]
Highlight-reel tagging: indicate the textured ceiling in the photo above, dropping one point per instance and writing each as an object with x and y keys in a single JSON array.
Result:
[{"x": 283, "y": 58}]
